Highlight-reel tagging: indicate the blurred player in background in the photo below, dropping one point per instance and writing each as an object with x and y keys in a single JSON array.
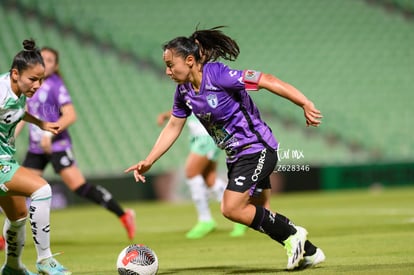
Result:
[
  {"x": 16, "y": 183},
  {"x": 52, "y": 102},
  {"x": 201, "y": 177},
  {"x": 218, "y": 96}
]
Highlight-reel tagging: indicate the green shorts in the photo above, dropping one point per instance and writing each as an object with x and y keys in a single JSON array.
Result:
[
  {"x": 204, "y": 146},
  {"x": 7, "y": 170}
]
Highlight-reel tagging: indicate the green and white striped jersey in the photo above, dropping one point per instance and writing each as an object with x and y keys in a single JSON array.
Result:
[{"x": 12, "y": 109}]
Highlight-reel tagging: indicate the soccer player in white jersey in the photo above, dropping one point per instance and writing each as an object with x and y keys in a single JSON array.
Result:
[
  {"x": 52, "y": 102},
  {"x": 201, "y": 177},
  {"x": 16, "y": 183},
  {"x": 217, "y": 95}
]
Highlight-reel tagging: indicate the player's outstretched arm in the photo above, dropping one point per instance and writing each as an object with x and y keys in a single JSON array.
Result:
[
  {"x": 273, "y": 84},
  {"x": 52, "y": 127},
  {"x": 165, "y": 140}
]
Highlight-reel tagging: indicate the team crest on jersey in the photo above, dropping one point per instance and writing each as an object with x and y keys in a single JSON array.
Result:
[
  {"x": 5, "y": 168},
  {"x": 212, "y": 100}
]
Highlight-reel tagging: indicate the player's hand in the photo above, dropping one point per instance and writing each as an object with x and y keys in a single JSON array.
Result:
[
  {"x": 52, "y": 127},
  {"x": 161, "y": 118},
  {"x": 139, "y": 169},
  {"x": 313, "y": 116}
]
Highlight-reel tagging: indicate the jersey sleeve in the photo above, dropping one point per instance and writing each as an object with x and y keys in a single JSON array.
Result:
[
  {"x": 180, "y": 108},
  {"x": 230, "y": 79},
  {"x": 63, "y": 96},
  {"x": 3, "y": 94}
]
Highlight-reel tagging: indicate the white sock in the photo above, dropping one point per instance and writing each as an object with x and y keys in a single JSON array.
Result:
[
  {"x": 15, "y": 236},
  {"x": 39, "y": 213},
  {"x": 199, "y": 196},
  {"x": 218, "y": 189}
]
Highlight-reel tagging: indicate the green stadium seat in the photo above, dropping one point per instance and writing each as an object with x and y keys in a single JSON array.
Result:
[{"x": 353, "y": 60}]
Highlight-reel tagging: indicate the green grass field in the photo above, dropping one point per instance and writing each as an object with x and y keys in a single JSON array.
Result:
[{"x": 361, "y": 232}]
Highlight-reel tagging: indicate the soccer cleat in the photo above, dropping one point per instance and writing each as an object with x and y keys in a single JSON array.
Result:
[
  {"x": 295, "y": 247},
  {"x": 312, "y": 260},
  {"x": 50, "y": 266},
  {"x": 201, "y": 229},
  {"x": 238, "y": 230},
  {"x": 128, "y": 220},
  {"x": 6, "y": 270}
]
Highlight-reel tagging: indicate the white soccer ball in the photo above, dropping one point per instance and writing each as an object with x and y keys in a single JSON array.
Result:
[{"x": 137, "y": 259}]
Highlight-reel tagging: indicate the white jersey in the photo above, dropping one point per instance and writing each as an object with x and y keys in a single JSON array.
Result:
[
  {"x": 12, "y": 109},
  {"x": 196, "y": 128}
]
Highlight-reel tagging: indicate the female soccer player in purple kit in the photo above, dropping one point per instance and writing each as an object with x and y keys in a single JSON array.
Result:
[
  {"x": 52, "y": 102},
  {"x": 218, "y": 96}
]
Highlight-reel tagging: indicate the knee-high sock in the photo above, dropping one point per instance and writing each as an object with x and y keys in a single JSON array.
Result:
[
  {"x": 101, "y": 196},
  {"x": 15, "y": 235},
  {"x": 39, "y": 214},
  {"x": 266, "y": 222},
  {"x": 199, "y": 196}
]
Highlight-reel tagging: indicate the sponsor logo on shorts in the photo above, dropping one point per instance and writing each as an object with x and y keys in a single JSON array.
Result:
[
  {"x": 239, "y": 180},
  {"x": 259, "y": 166},
  {"x": 64, "y": 161}
]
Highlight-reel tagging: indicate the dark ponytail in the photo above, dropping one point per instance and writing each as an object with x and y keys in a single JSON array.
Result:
[
  {"x": 205, "y": 45},
  {"x": 29, "y": 56}
]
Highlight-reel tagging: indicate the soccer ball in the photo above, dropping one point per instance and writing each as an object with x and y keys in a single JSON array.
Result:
[{"x": 137, "y": 259}]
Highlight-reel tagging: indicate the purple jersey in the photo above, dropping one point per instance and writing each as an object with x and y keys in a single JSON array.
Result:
[
  {"x": 45, "y": 105},
  {"x": 226, "y": 110}
]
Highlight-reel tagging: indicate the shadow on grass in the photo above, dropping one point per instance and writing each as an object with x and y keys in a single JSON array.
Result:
[
  {"x": 220, "y": 270},
  {"x": 375, "y": 268}
]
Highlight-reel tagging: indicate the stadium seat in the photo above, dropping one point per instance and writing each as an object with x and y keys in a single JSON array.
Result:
[{"x": 354, "y": 60}]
